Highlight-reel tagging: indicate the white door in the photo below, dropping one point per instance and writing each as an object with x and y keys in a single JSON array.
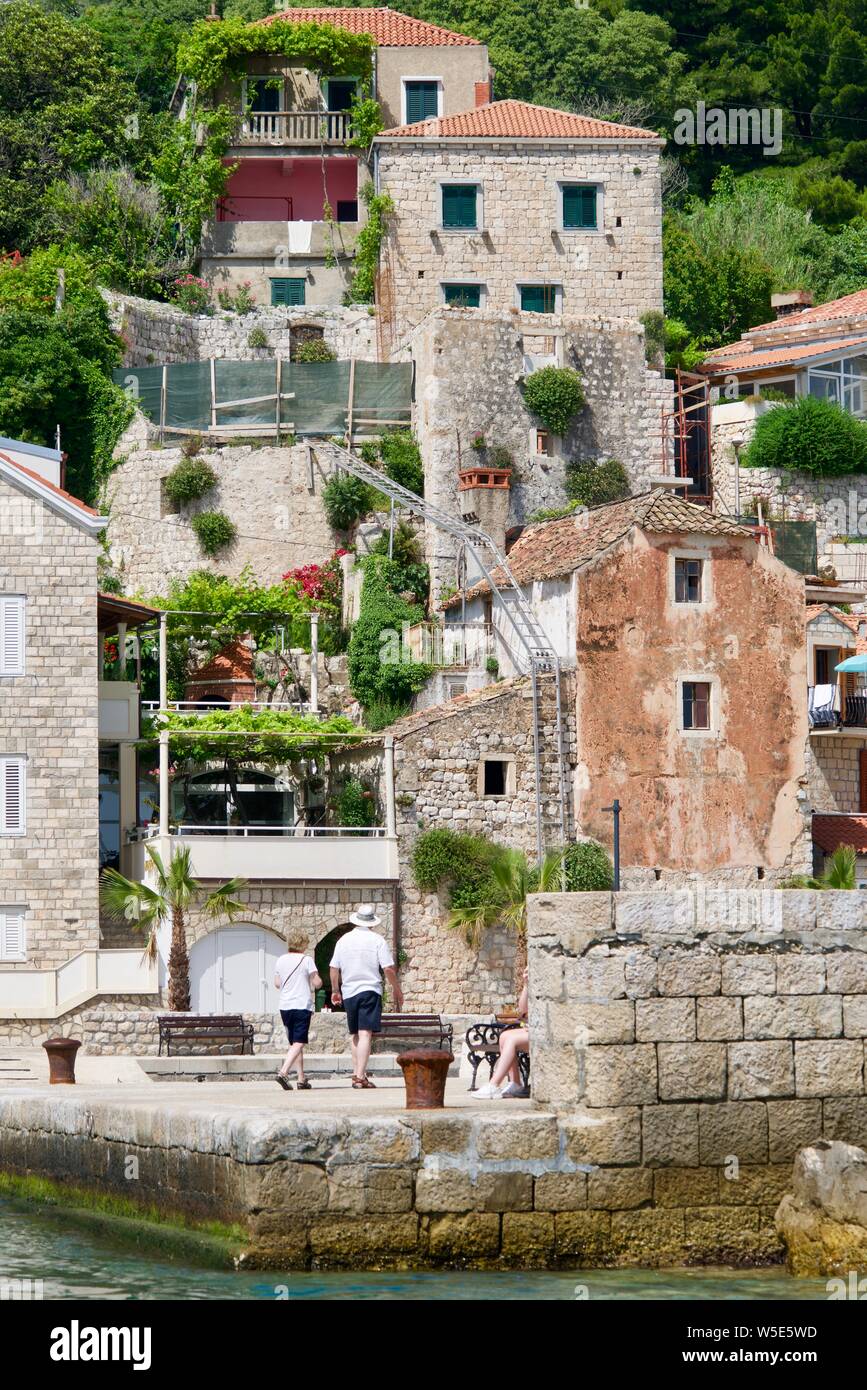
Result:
[{"x": 232, "y": 971}]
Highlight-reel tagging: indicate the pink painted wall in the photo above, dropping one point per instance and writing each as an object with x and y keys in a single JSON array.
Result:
[{"x": 259, "y": 189}]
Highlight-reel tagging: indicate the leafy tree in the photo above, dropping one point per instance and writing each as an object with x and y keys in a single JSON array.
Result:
[
  {"x": 809, "y": 436},
  {"x": 63, "y": 107},
  {"x": 588, "y": 868},
  {"x": 175, "y": 894},
  {"x": 716, "y": 296},
  {"x": 831, "y": 201},
  {"x": 379, "y": 669},
  {"x": 142, "y": 40},
  {"x": 591, "y": 484}
]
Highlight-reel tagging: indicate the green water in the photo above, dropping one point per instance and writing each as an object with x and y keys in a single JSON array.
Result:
[{"x": 75, "y": 1264}]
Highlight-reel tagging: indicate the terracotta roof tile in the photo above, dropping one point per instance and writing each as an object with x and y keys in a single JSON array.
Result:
[
  {"x": 234, "y": 662},
  {"x": 551, "y": 549},
  {"x": 830, "y": 832},
  {"x": 59, "y": 491},
  {"x": 851, "y": 620},
  {"x": 473, "y": 699},
  {"x": 518, "y": 120},
  {"x": 742, "y": 357},
  {"x": 850, "y": 306},
  {"x": 387, "y": 27}
]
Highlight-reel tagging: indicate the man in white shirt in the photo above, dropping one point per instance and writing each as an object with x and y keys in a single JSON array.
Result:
[
  {"x": 361, "y": 958},
  {"x": 296, "y": 978}
]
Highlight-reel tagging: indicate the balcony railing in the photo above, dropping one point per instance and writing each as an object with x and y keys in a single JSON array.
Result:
[
  {"x": 828, "y": 710},
  {"x": 294, "y": 128},
  {"x": 333, "y": 854}
]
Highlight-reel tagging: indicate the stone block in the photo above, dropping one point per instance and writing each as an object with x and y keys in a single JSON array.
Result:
[
  {"x": 721, "y": 1229},
  {"x": 798, "y": 910},
  {"x": 749, "y": 974},
  {"x": 546, "y": 975},
  {"x": 560, "y": 1192},
  {"x": 286, "y": 1187},
  {"x": 760, "y": 1069},
  {"x": 685, "y": 1187},
  {"x": 792, "y": 1125},
  {"x": 651, "y": 1237},
  {"x": 719, "y": 1018},
  {"x": 692, "y": 1071},
  {"x": 670, "y": 1136},
  {"x": 620, "y": 1075},
  {"x": 472, "y": 1236},
  {"x": 603, "y": 1136},
  {"x": 582, "y": 1236},
  {"x": 595, "y": 978},
  {"x": 558, "y": 1078},
  {"x": 840, "y": 910},
  {"x": 688, "y": 972},
  {"x": 526, "y": 1136},
  {"x": 528, "y": 1237},
  {"x": 829, "y": 1068},
  {"x": 640, "y": 914},
  {"x": 639, "y": 973},
  {"x": 360, "y": 1188},
  {"x": 353, "y": 1241},
  {"x": 855, "y": 1015},
  {"x": 619, "y": 1188},
  {"x": 846, "y": 972},
  {"x": 734, "y": 1129},
  {"x": 798, "y": 974},
  {"x": 846, "y": 1119},
  {"x": 453, "y": 1189},
  {"x": 446, "y": 1134},
  {"x": 793, "y": 1016},
  {"x": 665, "y": 1020},
  {"x": 755, "y": 1185},
  {"x": 605, "y": 1023}
]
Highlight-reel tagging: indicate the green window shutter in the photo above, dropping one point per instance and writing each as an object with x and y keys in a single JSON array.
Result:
[
  {"x": 579, "y": 206},
  {"x": 459, "y": 204},
  {"x": 464, "y": 296},
  {"x": 422, "y": 101},
  {"x": 538, "y": 299},
  {"x": 288, "y": 290}
]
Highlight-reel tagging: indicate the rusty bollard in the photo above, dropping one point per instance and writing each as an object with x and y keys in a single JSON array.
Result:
[
  {"x": 61, "y": 1060},
  {"x": 424, "y": 1074}
]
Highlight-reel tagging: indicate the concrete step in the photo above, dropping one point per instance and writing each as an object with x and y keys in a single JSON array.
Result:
[
  {"x": 261, "y": 1065},
  {"x": 17, "y": 1067}
]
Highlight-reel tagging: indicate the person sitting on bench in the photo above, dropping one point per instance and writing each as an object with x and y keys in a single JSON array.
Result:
[{"x": 512, "y": 1041}]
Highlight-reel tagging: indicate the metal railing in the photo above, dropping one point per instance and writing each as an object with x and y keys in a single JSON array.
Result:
[
  {"x": 313, "y": 832},
  {"x": 295, "y": 127}
]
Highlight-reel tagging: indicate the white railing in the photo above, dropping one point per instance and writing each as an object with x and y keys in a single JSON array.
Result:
[
  {"x": 455, "y": 644},
  {"x": 295, "y": 127},
  {"x": 85, "y": 976},
  {"x": 255, "y": 853},
  {"x": 149, "y": 832}
]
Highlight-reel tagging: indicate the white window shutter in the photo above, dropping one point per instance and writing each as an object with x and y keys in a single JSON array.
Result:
[
  {"x": 12, "y": 940},
  {"x": 11, "y": 796},
  {"x": 11, "y": 636}
]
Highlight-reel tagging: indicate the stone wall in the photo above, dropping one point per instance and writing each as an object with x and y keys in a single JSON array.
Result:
[
  {"x": 700, "y": 1040},
  {"x": 616, "y": 270},
  {"x": 155, "y": 333},
  {"x": 49, "y": 716},
  {"x": 833, "y": 769},
  {"x": 273, "y": 495},
  {"x": 469, "y": 365}
]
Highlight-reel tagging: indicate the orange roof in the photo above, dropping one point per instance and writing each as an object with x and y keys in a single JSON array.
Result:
[
  {"x": 850, "y": 306},
  {"x": 830, "y": 832},
  {"x": 742, "y": 356},
  {"x": 43, "y": 482},
  {"x": 233, "y": 663},
  {"x": 386, "y": 27},
  {"x": 518, "y": 120}
]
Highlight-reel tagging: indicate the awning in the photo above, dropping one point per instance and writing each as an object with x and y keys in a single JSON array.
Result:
[{"x": 112, "y": 610}]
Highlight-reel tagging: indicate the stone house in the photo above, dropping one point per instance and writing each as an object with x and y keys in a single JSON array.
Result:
[
  {"x": 513, "y": 207},
  {"x": 685, "y": 636},
  {"x": 294, "y": 159},
  {"x": 57, "y": 719},
  {"x": 837, "y": 745}
]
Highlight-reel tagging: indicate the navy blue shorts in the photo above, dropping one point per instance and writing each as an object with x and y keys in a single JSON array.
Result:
[
  {"x": 364, "y": 1012},
  {"x": 297, "y": 1024}
]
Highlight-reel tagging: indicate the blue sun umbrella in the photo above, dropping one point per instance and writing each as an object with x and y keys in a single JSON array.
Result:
[{"x": 853, "y": 663}]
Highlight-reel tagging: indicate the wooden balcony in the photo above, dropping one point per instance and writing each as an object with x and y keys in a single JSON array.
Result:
[{"x": 294, "y": 128}]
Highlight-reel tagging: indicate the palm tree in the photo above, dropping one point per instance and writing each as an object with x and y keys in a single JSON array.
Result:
[
  {"x": 512, "y": 877},
  {"x": 840, "y": 871},
  {"x": 146, "y": 908}
]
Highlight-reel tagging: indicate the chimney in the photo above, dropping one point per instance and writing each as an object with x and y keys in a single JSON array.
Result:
[
  {"x": 483, "y": 92},
  {"x": 791, "y": 303}
]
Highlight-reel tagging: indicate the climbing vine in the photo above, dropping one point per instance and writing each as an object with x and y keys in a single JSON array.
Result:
[
  {"x": 210, "y": 53},
  {"x": 368, "y": 246}
]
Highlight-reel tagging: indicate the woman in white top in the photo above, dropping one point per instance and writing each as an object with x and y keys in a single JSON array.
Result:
[{"x": 296, "y": 979}]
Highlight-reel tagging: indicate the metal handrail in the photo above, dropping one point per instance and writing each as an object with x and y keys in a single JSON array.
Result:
[{"x": 289, "y": 832}]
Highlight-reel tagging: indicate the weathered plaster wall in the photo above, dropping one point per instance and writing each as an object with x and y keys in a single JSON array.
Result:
[
  {"x": 728, "y": 802},
  {"x": 273, "y": 495},
  {"x": 469, "y": 365},
  {"x": 700, "y": 1040},
  {"x": 49, "y": 715},
  {"x": 155, "y": 333},
  {"x": 615, "y": 271},
  {"x": 458, "y": 66}
]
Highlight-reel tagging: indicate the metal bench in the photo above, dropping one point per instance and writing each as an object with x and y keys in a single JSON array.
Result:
[
  {"x": 422, "y": 1030},
  {"x": 483, "y": 1045},
  {"x": 203, "y": 1028}
]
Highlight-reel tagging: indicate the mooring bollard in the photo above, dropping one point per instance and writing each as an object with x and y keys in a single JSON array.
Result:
[
  {"x": 61, "y": 1060},
  {"x": 424, "y": 1074}
]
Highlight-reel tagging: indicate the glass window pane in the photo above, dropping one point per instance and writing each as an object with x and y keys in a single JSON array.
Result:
[
  {"x": 826, "y": 388},
  {"x": 463, "y": 296},
  {"x": 538, "y": 299}
]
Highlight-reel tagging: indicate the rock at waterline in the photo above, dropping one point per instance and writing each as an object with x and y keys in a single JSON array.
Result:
[{"x": 823, "y": 1223}]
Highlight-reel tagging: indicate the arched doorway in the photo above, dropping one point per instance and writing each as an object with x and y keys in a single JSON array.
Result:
[
  {"x": 323, "y": 953},
  {"x": 232, "y": 971}
]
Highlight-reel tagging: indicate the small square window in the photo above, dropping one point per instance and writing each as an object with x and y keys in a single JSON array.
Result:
[
  {"x": 543, "y": 442},
  {"x": 463, "y": 296},
  {"x": 340, "y": 93},
  {"x": 688, "y": 576},
  {"x": 696, "y": 704},
  {"x": 347, "y": 209},
  {"x": 288, "y": 290},
  {"x": 264, "y": 94},
  {"x": 495, "y": 775},
  {"x": 538, "y": 299},
  {"x": 579, "y": 207},
  {"x": 460, "y": 206}
]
